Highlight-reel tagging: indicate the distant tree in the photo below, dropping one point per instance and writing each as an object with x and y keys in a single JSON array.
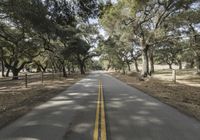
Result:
[
  {"x": 187, "y": 23},
  {"x": 80, "y": 50},
  {"x": 168, "y": 53}
]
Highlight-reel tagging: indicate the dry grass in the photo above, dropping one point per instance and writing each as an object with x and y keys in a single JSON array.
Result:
[
  {"x": 186, "y": 77},
  {"x": 184, "y": 97},
  {"x": 16, "y": 100}
]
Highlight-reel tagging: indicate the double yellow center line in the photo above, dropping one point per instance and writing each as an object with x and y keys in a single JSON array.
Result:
[{"x": 100, "y": 122}]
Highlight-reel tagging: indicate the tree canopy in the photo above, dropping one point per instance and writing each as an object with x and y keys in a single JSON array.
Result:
[
  {"x": 60, "y": 34},
  {"x": 150, "y": 25},
  {"x": 32, "y": 30}
]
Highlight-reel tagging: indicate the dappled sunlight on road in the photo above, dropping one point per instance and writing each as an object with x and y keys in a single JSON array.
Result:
[
  {"x": 54, "y": 104},
  {"x": 116, "y": 104},
  {"x": 23, "y": 138},
  {"x": 82, "y": 127},
  {"x": 131, "y": 113},
  {"x": 63, "y": 117},
  {"x": 142, "y": 121},
  {"x": 151, "y": 104}
]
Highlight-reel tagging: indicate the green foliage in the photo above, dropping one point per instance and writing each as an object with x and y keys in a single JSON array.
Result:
[
  {"x": 46, "y": 32},
  {"x": 151, "y": 25},
  {"x": 169, "y": 53}
]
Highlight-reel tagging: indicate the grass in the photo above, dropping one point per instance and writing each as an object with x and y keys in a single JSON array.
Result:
[{"x": 186, "y": 77}]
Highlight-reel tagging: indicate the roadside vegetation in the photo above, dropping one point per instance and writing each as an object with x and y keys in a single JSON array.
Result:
[
  {"x": 46, "y": 35},
  {"x": 157, "y": 31},
  {"x": 146, "y": 40},
  {"x": 45, "y": 46}
]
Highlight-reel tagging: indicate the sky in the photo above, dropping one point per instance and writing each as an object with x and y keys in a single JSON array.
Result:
[{"x": 101, "y": 30}]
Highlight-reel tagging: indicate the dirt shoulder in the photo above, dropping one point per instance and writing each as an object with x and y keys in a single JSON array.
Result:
[
  {"x": 183, "y": 97},
  {"x": 15, "y": 100}
]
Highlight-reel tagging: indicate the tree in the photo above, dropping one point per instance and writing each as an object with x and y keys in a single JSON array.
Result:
[
  {"x": 147, "y": 20},
  {"x": 1, "y": 60},
  {"x": 54, "y": 23},
  {"x": 168, "y": 53},
  {"x": 42, "y": 62},
  {"x": 79, "y": 49},
  {"x": 19, "y": 48},
  {"x": 187, "y": 22}
]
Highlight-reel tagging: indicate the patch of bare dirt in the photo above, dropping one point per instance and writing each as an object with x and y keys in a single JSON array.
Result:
[
  {"x": 184, "y": 97},
  {"x": 16, "y": 100}
]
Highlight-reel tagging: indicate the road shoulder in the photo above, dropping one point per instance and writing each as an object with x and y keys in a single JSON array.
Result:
[
  {"x": 182, "y": 97},
  {"x": 19, "y": 102}
]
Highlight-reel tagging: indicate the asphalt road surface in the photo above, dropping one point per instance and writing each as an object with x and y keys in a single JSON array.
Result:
[{"x": 130, "y": 115}]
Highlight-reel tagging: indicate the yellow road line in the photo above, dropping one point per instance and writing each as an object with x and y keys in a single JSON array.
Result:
[
  {"x": 96, "y": 129},
  {"x": 103, "y": 119},
  {"x": 100, "y": 122}
]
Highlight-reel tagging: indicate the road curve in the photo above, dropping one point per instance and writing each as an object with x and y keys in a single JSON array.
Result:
[{"x": 130, "y": 115}]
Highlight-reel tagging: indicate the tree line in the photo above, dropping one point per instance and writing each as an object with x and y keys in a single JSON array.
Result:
[
  {"x": 45, "y": 34},
  {"x": 157, "y": 31},
  {"x": 58, "y": 35}
]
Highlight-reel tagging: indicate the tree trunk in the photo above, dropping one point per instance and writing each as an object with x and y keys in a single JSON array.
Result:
[
  {"x": 8, "y": 72},
  {"x": 69, "y": 70},
  {"x": 15, "y": 74},
  {"x": 2, "y": 62},
  {"x": 64, "y": 71},
  {"x": 43, "y": 69},
  {"x": 2, "y": 68},
  {"x": 198, "y": 64},
  {"x": 53, "y": 67},
  {"x": 73, "y": 69},
  {"x": 81, "y": 64},
  {"x": 129, "y": 67},
  {"x": 108, "y": 67},
  {"x": 84, "y": 66},
  {"x": 180, "y": 64},
  {"x": 136, "y": 66},
  {"x": 82, "y": 69},
  {"x": 38, "y": 69},
  {"x": 123, "y": 70},
  {"x": 151, "y": 61},
  {"x": 192, "y": 64},
  {"x": 145, "y": 62},
  {"x": 170, "y": 66}
]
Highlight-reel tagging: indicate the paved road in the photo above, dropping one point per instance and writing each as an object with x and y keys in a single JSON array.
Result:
[{"x": 130, "y": 115}]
